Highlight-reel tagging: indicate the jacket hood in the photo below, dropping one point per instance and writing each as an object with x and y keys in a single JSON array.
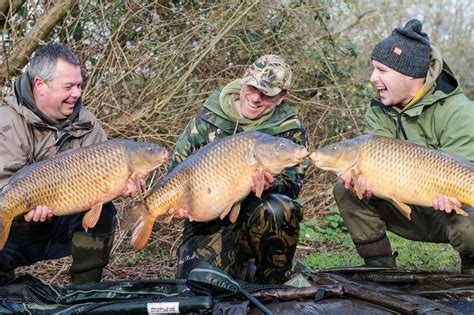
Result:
[
  {"x": 440, "y": 80},
  {"x": 440, "y": 83},
  {"x": 282, "y": 119}
]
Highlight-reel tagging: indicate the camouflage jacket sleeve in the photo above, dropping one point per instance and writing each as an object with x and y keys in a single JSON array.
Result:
[
  {"x": 199, "y": 132},
  {"x": 192, "y": 139},
  {"x": 291, "y": 181}
]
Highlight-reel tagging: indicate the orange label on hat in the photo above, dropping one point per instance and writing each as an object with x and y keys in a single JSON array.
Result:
[{"x": 398, "y": 51}]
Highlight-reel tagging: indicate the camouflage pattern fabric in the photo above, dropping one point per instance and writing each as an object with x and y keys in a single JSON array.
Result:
[
  {"x": 258, "y": 227},
  {"x": 266, "y": 231},
  {"x": 271, "y": 74}
]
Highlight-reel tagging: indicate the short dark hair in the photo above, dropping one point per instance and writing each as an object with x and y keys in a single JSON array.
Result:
[{"x": 43, "y": 62}]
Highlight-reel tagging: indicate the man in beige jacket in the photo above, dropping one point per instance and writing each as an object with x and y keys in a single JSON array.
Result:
[{"x": 42, "y": 116}]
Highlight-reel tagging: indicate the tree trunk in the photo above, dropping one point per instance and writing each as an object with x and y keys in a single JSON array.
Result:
[
  {"x": 8, "y": 9},
  {"x": 27, "y": 45}
]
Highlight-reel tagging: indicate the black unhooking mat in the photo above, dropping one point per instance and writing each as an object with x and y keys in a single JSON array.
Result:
[{"x": 210, "y": 291}]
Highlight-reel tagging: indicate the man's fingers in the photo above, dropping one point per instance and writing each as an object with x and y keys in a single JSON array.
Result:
[
  {"x": 455, "y": 202},
  {"x": 44, "y": 214},
  {"x": 445, "y": 203},
  {"x": 180, "y": 213},
  {"x": 348, "y": 183},
  {"x": 29, "y": 215},
  {"x": 38, "y": 213}
]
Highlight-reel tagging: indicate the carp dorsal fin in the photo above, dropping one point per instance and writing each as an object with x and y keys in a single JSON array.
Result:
[
  {"x": 261, "y": 182},
  {"x": 92, "y": 216},
  {"x": 234, "y": 213},
  {"x": 355, "y": 176},
  {"x": 403, "y": 207}
]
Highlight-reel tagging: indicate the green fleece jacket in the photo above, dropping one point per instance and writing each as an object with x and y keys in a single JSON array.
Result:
[{"x": 443, "y": 119}]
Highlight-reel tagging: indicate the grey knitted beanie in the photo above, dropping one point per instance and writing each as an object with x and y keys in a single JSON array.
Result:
[{"x": 406, "y": 50}]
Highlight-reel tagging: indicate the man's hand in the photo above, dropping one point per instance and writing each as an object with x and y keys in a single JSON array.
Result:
[
  {"x": 180, "y": 213},
  {"x": 365, "y": 188},
  {"x": 268, "y": 180},
  {"x": 40, "y": 214},
  {"x": 444, "y": 203},
  {"x": 131, "y": 189}
]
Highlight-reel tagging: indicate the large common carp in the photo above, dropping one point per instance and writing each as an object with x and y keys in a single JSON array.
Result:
[
  {"x": 213, "y": 181},
  {"x": 78, "y": 180},
  {"x": 400, "y": 171}
]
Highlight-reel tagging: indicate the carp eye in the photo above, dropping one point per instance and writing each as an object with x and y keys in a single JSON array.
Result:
[
  {"x": 149, "y": 149},
  {"x": 334, "y": 148}
]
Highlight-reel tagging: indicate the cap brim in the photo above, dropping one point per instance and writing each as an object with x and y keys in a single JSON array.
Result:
[{"x": 250, "y": 80}]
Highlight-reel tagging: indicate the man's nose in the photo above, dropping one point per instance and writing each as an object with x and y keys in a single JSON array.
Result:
[
  {"x": 76, "y": 92},
  {"x": 256, "y": 96},
  {"x": 373, "y": 77}
]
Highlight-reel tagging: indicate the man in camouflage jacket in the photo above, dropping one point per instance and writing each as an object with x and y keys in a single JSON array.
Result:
[{"x": 260, "y": 245}]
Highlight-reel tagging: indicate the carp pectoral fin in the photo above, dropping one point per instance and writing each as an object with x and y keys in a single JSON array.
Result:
[
  {"x": 136, "y": 179},
  {"x": 234, "y": 213},
  {"x": 5, "y": 225},
  {"x": 92, "y": 216},
  {"x": 355, "y": 175},
  {"x": 131, "y": 217},
  {"x": 403, "y": 207},
  {"x": 459, "y": 210},
  {"x": 142, "y": 231},
  {"x": 261, "y": 182},
  {"x": 225, "y": 212}
]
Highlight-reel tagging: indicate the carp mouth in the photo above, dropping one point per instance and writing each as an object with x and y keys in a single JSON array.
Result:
[
  {"x": 317, "y": 160},
  {"x": 312, "y": 157},
  {"x": 302, "y": 154}
]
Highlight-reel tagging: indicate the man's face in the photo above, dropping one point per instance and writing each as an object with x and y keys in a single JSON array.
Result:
[
  {"x": 254, "y": 104},
  {"x": 394, "y": 88},
  {"x": 58, "y": 97}
]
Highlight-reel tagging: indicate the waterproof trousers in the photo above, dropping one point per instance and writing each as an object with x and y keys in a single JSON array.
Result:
[
  {"x": 368, "y": 220},
  {"x": 30, "y": 242},
  {"x": 259, "y": 247}
]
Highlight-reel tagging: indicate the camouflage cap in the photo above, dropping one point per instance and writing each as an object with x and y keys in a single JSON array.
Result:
[{"x": 271, "y": 74}]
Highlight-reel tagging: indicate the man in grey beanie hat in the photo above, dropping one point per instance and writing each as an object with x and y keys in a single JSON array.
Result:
[
  {"x": 420, "y": 100},
  {"x": 406, "y": 50}
]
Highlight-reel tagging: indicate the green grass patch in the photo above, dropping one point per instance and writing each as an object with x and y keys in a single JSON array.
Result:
[{"x": 334, "y": 248}]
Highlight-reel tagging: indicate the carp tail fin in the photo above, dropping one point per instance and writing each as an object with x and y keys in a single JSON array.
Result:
[
  {"x": 5, "y": 224},
  {"x": 143, "y": 228},
  {"x": 4, "y": 231}
]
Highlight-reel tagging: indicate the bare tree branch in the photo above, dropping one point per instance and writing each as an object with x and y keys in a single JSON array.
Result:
[
  {"x": 23, "y": 50},
  {"x": 8, "y": 8}
]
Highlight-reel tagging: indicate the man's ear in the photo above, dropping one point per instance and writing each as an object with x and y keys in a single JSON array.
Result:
[
  {"x": 39, "y": 84},
  {"x": 280, "y": 97}
]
